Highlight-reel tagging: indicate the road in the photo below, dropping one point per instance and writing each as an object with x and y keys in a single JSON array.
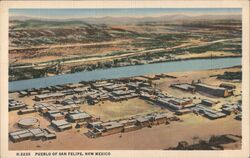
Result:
[{"x": 89, "y": 59}]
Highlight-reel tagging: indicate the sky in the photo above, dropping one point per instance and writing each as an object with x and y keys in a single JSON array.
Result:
[{"x": 131, "y": 12}]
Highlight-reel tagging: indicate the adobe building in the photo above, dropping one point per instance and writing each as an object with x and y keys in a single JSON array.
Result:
[
  {"x": 16, "y": 105},
  {"x": 184, "y": 87},
  {"x": 61, "y": 125},
  {"x": 212, "y": 90},
  {"x": 227, "y": 86},
  {"x": 142, "y": 122},
  {"x": 111, "y": 128},
  {"x": 31, "y": 134},
  {"x": 26, "y": 111},
  {"x": 79, "y": 116},
  {"x": 43, "y": 97},
  {"x": 208, "y": 102}
]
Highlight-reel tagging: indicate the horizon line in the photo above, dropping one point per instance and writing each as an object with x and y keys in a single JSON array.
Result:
[{"x": 122, "y": 12}]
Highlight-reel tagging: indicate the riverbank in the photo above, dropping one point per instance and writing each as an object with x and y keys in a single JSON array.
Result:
[
  {"x": 68, "y": 66},
  {"x": 128, "y": 71}
]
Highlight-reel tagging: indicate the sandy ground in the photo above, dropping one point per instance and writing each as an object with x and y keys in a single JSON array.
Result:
[
  {"x": 158, "y": 137},
  {"x": 125, "y": 109}
]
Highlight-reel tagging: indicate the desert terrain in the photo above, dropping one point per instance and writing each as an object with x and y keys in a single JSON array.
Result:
[
  {"x": 40, "y": 48},
  {"x": 155, "y": 138}
]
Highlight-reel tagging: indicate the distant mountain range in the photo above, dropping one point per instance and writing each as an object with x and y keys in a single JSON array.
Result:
[{"x": 124, "y": 20}]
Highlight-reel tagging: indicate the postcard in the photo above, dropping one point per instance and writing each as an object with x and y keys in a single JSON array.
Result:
[{"x": 124, "y": 79}]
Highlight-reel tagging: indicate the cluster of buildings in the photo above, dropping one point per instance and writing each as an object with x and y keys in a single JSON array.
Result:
[
  {"x": 172, "y": 103},
  {"x": 233, "y": 108},
  {"x": 46, "y": 107},
  {"x": 205, "y": 107},
  {"x": 208, "y": 112},
  {"x": 223, "y": 90},
  {"x": 98, "y": 129},
  {"x": 15, "y": 105},
  {"x": 61, "y": 105},
  {"x": 185, "y": 105},
  {"x": 66, "y": 97},
  {"x": 31, "y": 134},
  {"x": 93, "y": 92},
  {"x": 61, "y": 116}
]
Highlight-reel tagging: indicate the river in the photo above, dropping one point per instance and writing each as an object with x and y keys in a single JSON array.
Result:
[{"x": 128, "y": 71}]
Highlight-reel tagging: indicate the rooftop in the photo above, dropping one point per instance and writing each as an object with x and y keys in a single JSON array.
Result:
[
  {"x": 42, "y": 96},
  {"x": 60, "y": 122},
  {"x": 210, "y": 87},
  {"x": 81, "y": 115}
]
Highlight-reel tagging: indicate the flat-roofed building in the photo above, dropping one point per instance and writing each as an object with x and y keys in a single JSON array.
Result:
[
  {"x": 79, "y": 116},
  {"x": 142, "y": 122},
  {"x": 61, "y": 125},
  {"x": 184, "y": 87},
  {"x": 122, "y": 95},
  {"x": 55, "y": 115},
  {"x": 44, "y": 107},
  {"x": 231, "y": 108},
  {"x": 49, "y": 96},
  {"x": 26, "y": 111},
  {"x": 166, "y": 103},
  {"x": 16, "y": 105},
  {"x": 92, "y": 125},
  {"x": 128, "y": 122},
  {"x": 179, "y": 101},
  {"x": 212, "y": 90},
  {"x": 101, "y": 84},
  {"x": 208, "y": 112},
  {"x": 160, "y": 118},
  {"x": 111, "y": 128},
  {"x": 208, "y": 102},
  {"x": 31, "y": 134},
  {"x": 228, "y": 86},
  {"x": 74, "y": 85},
  {"x": 23, "y": 93},
  {"x": 183, "y": 111},
  {"x": 115, "y": 87}
]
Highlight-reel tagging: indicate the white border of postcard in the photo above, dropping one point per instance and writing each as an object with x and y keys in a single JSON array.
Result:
[{"x": 5, "y": 5}]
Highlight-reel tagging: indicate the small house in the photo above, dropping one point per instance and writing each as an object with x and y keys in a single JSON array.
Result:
[
  {"x": 143, "y": 122},
  {"x": 61, "y": 125},
  {"x": 208, "y": 102},
  {"x": 79, "y": 117}
]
